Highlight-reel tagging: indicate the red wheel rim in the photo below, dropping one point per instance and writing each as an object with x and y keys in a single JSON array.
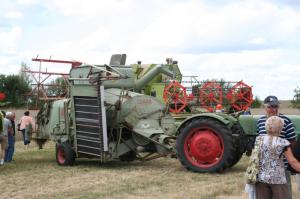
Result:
[
  {"x": 204, "y": 147},
  {"x": 61, "y": 155}
]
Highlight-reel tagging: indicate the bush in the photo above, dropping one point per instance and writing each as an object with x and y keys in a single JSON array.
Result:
[
  {"x": 296, "y": 99},
  {"x": 256, "y": 103}
]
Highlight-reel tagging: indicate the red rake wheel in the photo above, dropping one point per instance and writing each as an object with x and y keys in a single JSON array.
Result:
[
  {"x": 240, "y": 96},
  {"x": 175, "y": 96},
  {"x": 210, "y": 95}
]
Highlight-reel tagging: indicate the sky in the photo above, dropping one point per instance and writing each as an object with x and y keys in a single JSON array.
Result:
[{"x": 257, "y": 41}]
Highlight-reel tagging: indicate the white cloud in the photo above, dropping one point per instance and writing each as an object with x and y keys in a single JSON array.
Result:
[
  {"x": 14, "y": 14},
  {"x": 258, "y": 41},
  {"x": 9, "y": 40},
  {"x": 27, "y": 2}
]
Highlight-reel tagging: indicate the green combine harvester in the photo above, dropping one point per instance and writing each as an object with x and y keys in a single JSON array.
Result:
[{"x": 118, "y": 111}]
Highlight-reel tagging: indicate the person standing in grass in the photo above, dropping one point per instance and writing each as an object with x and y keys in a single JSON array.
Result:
[
  {"x": 7, "y": 132},
  {"x": 11, "y": 137},
  {"x": 26, "y": 123},
  {"x": 3, "y": 141},
  {"x": 271, "y": 179},
  {"x": 271, "y": 105}
]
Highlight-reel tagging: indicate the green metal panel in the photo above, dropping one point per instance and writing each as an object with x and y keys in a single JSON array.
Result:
[
  {"x": 248, "y": 123},
  {"x": 158, "y": 88},
  {"x": 296, "y": 121},
  {"x": 83, "y": 90},
  {"x": 221, "y": 117}
]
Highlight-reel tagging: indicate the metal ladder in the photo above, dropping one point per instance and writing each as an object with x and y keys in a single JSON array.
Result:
[{"x": 90, "y": 119}]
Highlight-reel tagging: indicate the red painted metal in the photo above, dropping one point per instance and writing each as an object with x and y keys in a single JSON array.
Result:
[
  {"x": 210, "y": 94},
  {"x": 39, "y": 91},
  {"x": 240, "y": 96},
  {"x": 2, "y": 96},
  {"x": 204, "y": 147},
  {"x": 175, "y": 97},
  {"x": 61, "y": 155},
  {"x": 73, "y": 63}
]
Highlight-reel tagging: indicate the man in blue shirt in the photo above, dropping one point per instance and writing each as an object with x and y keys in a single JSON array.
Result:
[{"x": 271, "y": 105}]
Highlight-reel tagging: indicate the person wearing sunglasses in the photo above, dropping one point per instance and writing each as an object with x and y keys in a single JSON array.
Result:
[{"x": 271, "y": 106}]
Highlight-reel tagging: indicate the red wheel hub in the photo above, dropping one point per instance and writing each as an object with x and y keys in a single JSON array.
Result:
[
  {"x": 204, "y": 148},
  {"x": 61, "y": 155}
]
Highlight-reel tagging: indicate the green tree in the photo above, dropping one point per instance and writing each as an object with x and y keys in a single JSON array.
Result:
[
  {"x": 58, "y": 88},
  {"x": 296, "y": 99},
  {"x": 15, "y": 87},
  {"x": 256, "y": 103}
]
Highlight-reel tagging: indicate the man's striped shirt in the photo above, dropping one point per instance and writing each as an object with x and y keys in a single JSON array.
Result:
[{"x": 288, "y": 130}]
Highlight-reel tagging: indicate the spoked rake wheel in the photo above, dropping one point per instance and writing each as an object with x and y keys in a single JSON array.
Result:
[
  {"x": 210, "y": 94},
  {"x": 240, "y": 96},
  {"x": 175, "y": 96}
]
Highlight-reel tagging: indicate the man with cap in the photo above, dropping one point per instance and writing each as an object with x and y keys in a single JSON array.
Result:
[{"x": 271, "y": 105}]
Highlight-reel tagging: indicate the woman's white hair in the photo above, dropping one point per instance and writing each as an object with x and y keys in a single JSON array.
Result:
[{"x": 274, "y": 125}]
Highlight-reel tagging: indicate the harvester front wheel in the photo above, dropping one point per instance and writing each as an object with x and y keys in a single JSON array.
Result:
[
  {"x": 65, "y": 155},
  {"x": 205, "y": 145}
]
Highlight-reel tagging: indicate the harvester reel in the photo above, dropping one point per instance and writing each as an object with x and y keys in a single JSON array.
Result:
[
  {"x": 175, "y": 96},
  {"x": 210, "y": 94},
  {"x": 240, "y": 96}
]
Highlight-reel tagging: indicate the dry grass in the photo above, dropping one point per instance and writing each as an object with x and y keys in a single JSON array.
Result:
[{"x": 35, "y": 174}]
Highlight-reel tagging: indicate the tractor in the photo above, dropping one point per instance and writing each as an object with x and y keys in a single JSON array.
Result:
[{"x": 117, "y": 111}]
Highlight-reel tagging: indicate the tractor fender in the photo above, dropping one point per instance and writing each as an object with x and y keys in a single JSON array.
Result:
[{"x": 225, "y": 119}]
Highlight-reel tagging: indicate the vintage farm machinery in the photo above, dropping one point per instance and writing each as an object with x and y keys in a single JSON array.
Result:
[
  {"x": 118, "y": 112},
  {"x": 233, "y": 96}
]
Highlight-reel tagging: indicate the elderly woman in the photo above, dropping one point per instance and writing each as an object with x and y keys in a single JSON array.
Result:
[{"x": 271, "y": 177}]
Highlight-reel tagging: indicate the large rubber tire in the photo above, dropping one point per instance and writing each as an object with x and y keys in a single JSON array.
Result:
[
  {"x": 65, "y": 155},
  {"x": 237, "y": 156},
  {"x": 239, "y": 143},
  {"x": 205, "y": 145}
]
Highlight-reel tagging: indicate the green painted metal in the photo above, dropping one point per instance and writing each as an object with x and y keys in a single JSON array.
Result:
[
  {"x": 225, "y": 119},
  {"x": 129, "y": 77},
  {"x": 248, "y": 123},
  {"x": 52, "y": 121}
]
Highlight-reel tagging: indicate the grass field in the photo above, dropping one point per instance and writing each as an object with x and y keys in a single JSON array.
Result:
[{"x": 35, "y": 174}]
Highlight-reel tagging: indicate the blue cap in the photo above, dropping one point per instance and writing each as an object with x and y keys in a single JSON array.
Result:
[{"x": 271, "y": 100}]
